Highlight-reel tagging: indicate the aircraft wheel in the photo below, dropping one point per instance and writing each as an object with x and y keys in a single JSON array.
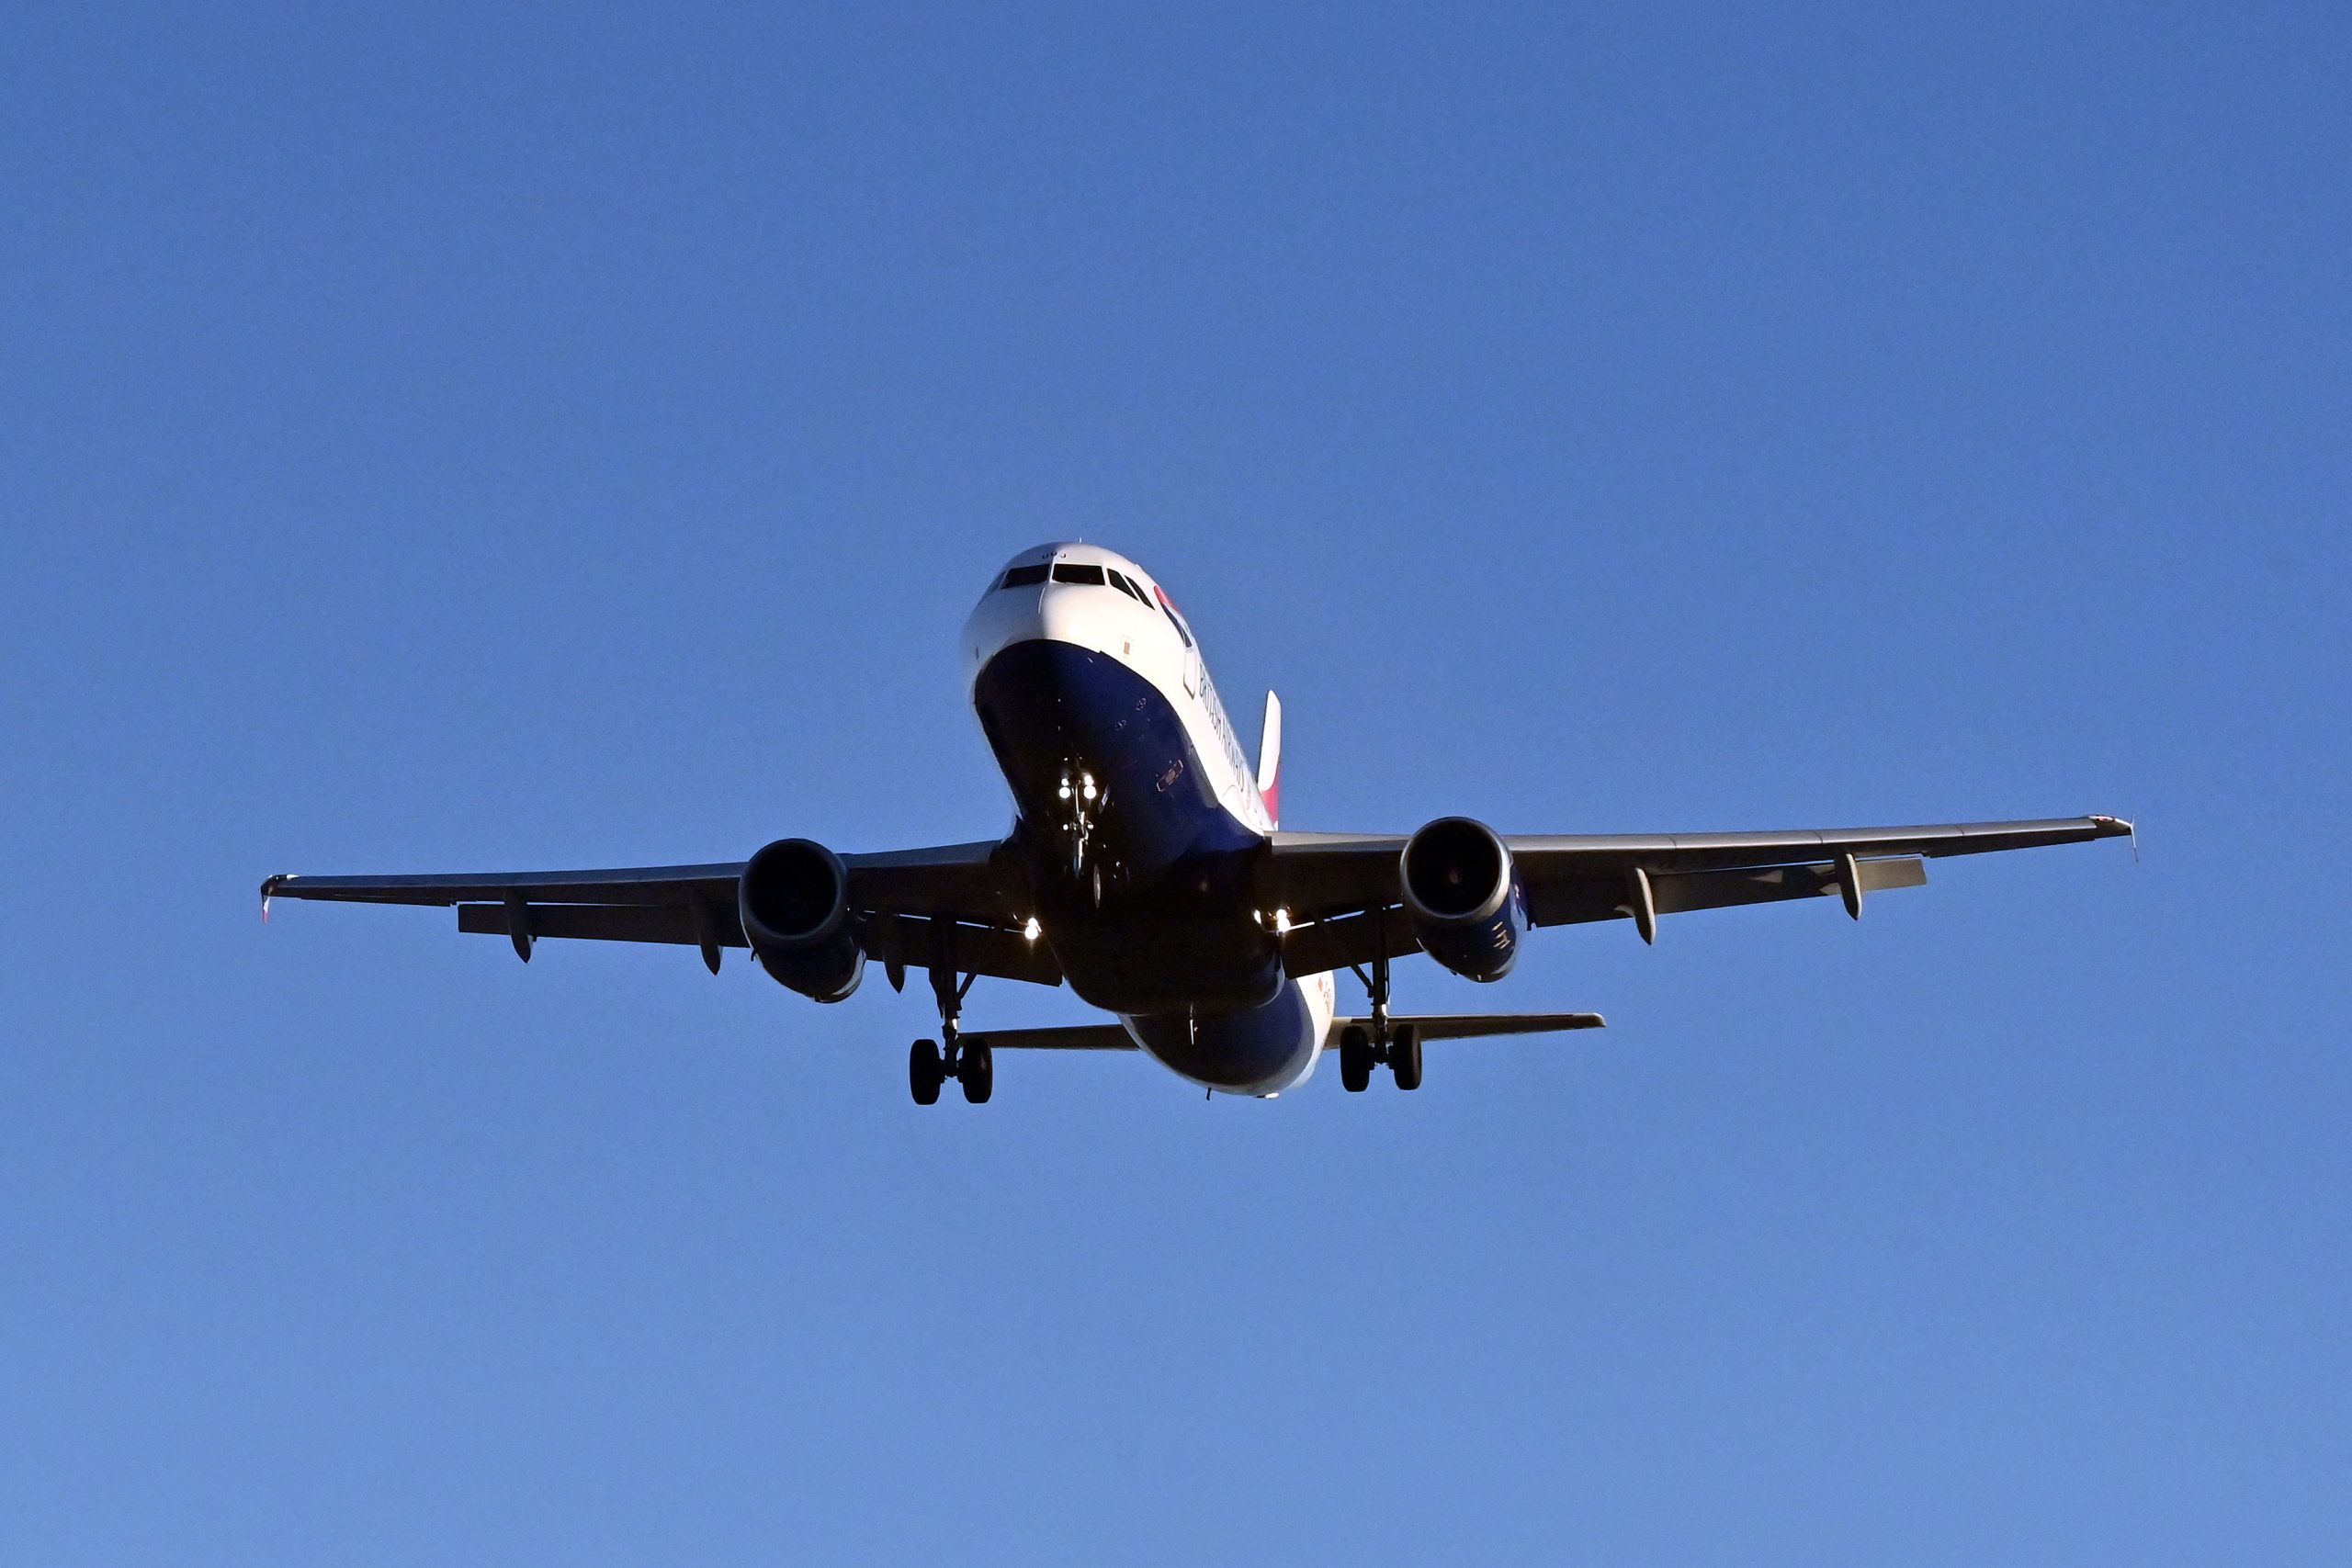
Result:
[
  {"x": 1404, "y": 1057},
  {"x": 977, "y": 1071},
  {"x": 1355, "y": 1059},
  {"x": 925, "y": 1072}
]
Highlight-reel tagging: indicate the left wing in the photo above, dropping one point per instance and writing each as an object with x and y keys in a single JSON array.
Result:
[
  {"x": 899, "y": 901},
  {"x": 1341, "y": 890}
]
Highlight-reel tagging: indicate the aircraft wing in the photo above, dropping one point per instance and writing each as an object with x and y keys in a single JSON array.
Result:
[
  {"x": 1341, "y": 890},
  {"x": 898, "y": 900}
]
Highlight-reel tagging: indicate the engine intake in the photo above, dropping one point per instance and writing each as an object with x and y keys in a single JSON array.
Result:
[
  {"x": 1463, "y": 896},
  {"x": 794, "y": 900}
]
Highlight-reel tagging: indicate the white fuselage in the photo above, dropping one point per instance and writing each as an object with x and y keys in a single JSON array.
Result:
[{"x": 1107, "y": 674}]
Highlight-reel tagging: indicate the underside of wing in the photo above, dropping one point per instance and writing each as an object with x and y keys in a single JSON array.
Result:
[
  {"x": 1342, "y": 893},
  {"x": 916, "y": 908}
]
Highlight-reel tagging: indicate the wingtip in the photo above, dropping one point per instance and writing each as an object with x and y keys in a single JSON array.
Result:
[{"x": 2113, "y": 826}]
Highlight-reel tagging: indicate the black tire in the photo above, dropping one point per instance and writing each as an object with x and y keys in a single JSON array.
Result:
[
  {"x": 1355, "y": 1060},
  {"x": 976, "y": 1069},
  {"x": 925, "y": 1072},
  {"x": 1404, "y": 1057}
]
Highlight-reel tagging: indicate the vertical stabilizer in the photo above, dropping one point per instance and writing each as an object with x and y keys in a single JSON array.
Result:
[{"x": 1270, "y": 758}]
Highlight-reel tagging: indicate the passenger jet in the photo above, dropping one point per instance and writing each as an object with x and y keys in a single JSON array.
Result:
[{"x": 1148, "y": 867}]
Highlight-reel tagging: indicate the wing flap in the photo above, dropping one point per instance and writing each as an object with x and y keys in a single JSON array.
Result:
[
  {"x": 1345, "y": 940},
  {"x": 970, "y": 882},
  {"x": 605, "y": 922},
  {"x": 966, "y": 949},
  {"x": 1562, "y": 902}
]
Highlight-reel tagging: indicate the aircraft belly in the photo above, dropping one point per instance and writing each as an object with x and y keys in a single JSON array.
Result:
[
  {"x": 1262, "y": 1050},
  {"x": 1142, "y": 877}
]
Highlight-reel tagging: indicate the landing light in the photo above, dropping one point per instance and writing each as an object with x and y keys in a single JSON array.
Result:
[
  {"x": 1029, "y": 932},
  {"x": 1282, "y": 920}
]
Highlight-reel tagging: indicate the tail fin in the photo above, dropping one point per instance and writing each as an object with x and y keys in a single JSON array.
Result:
[{"x": 1269, "y": 759}]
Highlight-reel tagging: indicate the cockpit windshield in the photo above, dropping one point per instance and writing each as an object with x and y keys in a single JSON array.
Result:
[
  {"x": 1023, "y": 576},
  {"x": 1075, "y": 571}
]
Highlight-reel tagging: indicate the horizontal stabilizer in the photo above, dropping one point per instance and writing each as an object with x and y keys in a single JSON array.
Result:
[
  {"x": 1429, "y": 1026},
  {"x": 1474, "y": 1025},
  {"x": 1071, "y": 1037}
]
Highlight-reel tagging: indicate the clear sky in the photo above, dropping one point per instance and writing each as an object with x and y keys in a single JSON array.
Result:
[{"x": 432, "y": 441}]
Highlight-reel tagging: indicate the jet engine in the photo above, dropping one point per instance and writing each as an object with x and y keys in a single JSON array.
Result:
[
  {"x": 1463, "y": 896},
  {"x": 793, "y": 899}
]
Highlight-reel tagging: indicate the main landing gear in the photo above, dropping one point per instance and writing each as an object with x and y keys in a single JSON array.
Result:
[
  {"x": 969, "y": 1063},
  {"x": 1361, "y": 1048},
  {"x": 1359, "y": 1052},
  {"x": 931, "y": 1064}
]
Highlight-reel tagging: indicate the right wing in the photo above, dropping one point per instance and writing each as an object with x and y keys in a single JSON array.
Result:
[
  {"x": 904, "y": 904},
  {"x": 1341, "y": 890}
]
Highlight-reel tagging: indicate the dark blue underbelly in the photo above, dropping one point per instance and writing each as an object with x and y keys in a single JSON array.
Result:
[
  {"x": 1264, "y": 1048},
  {"x": 1145, "y": 893}
]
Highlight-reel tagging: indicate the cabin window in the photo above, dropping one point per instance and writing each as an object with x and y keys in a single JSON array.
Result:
[
  {"x": 1022, "y": 577},
  {"x": 1073, "y": 571}
]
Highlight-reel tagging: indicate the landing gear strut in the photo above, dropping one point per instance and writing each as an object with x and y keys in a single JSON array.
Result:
[
  {"x": 1399, "y": 1046},
  {"x": 969, "y": 1062}
]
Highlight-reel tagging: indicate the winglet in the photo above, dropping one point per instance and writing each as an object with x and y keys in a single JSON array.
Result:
[{"x": 1269, "y": 759}]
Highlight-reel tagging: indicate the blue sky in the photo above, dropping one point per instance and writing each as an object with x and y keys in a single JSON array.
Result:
[{"x": 436, "y": 441}]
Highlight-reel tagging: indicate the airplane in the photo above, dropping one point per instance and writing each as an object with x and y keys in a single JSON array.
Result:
[{"x": 1148, "y": 867}]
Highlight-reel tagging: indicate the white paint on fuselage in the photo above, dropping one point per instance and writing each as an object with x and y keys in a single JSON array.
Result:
[{"x": 1147, "y": 638}]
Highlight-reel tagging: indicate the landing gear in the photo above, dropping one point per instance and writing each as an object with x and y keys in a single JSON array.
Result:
[
  {"x": 1358, "y": 1056},
  {"x": 926, "y": 1070},
  {"x": 1355, "y": 1060},
  {"x": 1400, "y": 1047},
  {"x": 969, "y": 1062},
  {"x": 930, "y": 1065},
  {"x": 976, "y": 1070},
  {"x": 1404, "y": 1057}
]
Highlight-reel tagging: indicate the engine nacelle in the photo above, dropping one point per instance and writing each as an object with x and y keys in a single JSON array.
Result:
[
  {"x": 1463, "y": 896},
  {"x": 794, "y": 900}
]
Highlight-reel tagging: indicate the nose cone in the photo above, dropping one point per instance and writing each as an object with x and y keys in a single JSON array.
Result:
[
  {"x": 1003, "y": 617},
  {"x": 1072, "y": 615},
  {"x": 1025, "y": 604}
]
